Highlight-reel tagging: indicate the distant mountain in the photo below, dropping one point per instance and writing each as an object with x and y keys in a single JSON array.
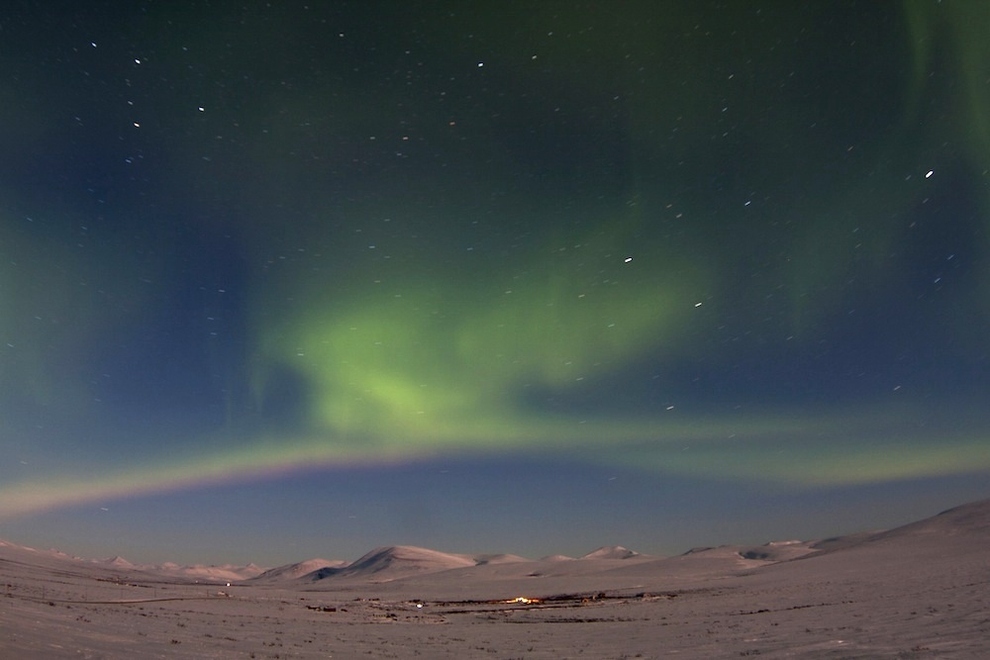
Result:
[
  {"x": 776, "y": 550},
  {"x": 397, "y": 560},
  {"x": 772, "y": 551},
  {"x": 116, "y": 562},
  {"x": 484, "y": 560},
  {"x": 222, "y": 573},
  {"x": 298, "y": 570},
  {"x": 557, "y": 558},
  {"x": 611, "y": 552},
  {"x": 971, "y": 519},
  {"x": 967, "y": 523}
]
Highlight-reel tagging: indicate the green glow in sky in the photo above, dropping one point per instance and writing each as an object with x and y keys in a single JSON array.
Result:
[
  {"x": 452, "y": 357},
  {"x": 463, "y": 248}
]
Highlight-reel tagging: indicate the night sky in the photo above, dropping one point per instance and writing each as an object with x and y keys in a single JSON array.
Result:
[{"x": 288, "y": 280}]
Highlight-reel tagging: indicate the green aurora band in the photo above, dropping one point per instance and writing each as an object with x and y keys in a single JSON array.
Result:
[{"x": 447, "y": 360}]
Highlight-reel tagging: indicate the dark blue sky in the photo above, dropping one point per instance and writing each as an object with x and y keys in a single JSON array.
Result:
[{"x": 368, "y": 273}]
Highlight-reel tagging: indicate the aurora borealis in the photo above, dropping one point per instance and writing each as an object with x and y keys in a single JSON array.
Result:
[{"x": 677, "y": 263}]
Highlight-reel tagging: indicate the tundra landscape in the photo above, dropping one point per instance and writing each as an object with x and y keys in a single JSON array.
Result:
[
  {"x": 417, "y": 294},
  {"x": 916, "y": 591}
]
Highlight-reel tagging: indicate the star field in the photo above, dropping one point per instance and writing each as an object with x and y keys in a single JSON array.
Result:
[{"x": 261, "y": 249}]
